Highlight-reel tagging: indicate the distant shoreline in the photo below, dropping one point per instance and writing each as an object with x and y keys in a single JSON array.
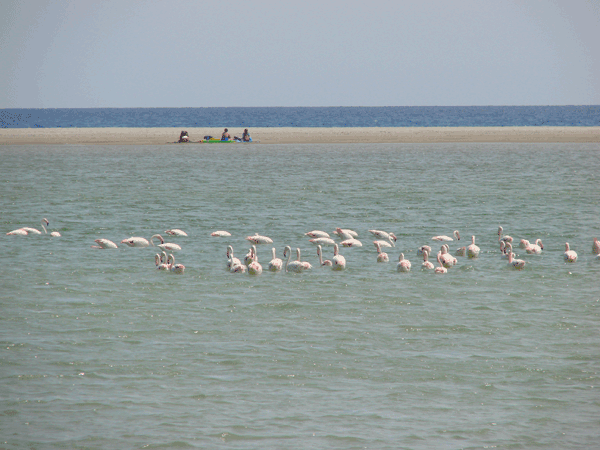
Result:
[{"x": 298, "y": 135}]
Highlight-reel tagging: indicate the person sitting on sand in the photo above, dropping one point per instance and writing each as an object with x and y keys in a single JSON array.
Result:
[
  {"x": 183, "y": 137},
  {"x": 246, "y": 136},
  {"x": 225, "y": 136}
]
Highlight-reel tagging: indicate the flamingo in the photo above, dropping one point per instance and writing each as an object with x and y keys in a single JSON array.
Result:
[
  {"x": 427, "y": 265},
  {"x": 104, "y": 243},
  {"x": 317, "y": 234},
  {"x": 473, "y": 250},
  {"x": 338, "y": 261},
  {"x": 461, "y": 251},
  {"x": 163, "y": 263},
  {"x": 35, "y": 230},
  {"x": 404, "y": 265},
  {"x": 238, "y": 268},
  {"x": 28, "y": 230},
  {"x": 345, "y": 233},
  {"x": 596, "y": 247},
  {"x": 305, "y": 264},
  {"x": 220, "y": 233},
  {"x": 322, "y": 241},
  {"x": 391, "y": 237},
  {"x": 351, "y": 243},
  {"x": 176, "y": 232},
  {"x": 523, "y": 243},
  {"x": 275, "y": 264},
  {"x": 251, "y": 255},
  {"x": 52, "y": 233},
  {"x": 175, "y": 268},
  {"x": 136, "y": 241},
  {"x": 18, "y": 232},
  {"x": 254, "y": 268},
  {"x": 168, "y": 246},
  {"x": 320, "y": 255},
  {"x": 258, "y": 239},
  {"x": 456, "y": 234},
  {"x": 535, "y": 249},
  {"x": 381, "y": 256},
  {"x": 292, "y": 266},
  {"x": 570, "y": 255},
  {"x": 447, "y": 259},
  {"x": 502, "y": 237},
  {"x": 422, "y": 249},
  {"x": 387, "y": 240},
  {"x": 440, "y": 269},
  {"x": 513, "y": 263},
  {"x": 232, "y": 260},
  {"x": 504, "y": 249}
]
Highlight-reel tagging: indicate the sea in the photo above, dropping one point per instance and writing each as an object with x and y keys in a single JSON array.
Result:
[{"x": 100, "y": 350}]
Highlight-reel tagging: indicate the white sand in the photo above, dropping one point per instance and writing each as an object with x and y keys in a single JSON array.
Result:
[{"x": 290, "y": 135}]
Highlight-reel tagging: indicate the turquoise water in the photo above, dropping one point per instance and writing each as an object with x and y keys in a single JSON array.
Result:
[{"x": 101, "y": 350}]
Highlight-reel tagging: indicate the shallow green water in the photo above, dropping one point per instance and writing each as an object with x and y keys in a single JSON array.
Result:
[{"x": 101, "y": 350}]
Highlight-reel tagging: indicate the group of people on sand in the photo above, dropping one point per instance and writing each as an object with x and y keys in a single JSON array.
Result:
[{"x": 184, "y": 137}]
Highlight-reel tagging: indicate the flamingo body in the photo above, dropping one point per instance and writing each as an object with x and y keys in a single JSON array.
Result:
[
  {"x": 104, "y": 243},
  {"x": 440, "y": 269},
  {"x": 220, "y": 233},
  {"x": 517, "y": 264},
  {"x": 427, "y": 265},
  {"x": 345, "y": 233},
  {"x": 456, "y": 234},
  {"x": 176, "y": 232},
  {"x": 317, "y": 234},
  {"x": 338, "y": 261},
  {"x": 258, "y": 239},
  {"x": 276, "y": 264},
  {"x": 381, "y": 256},
  {"x": 254, "y": 268},
  {"x": 232, "y": 260},
  {"x": 570, "y": 255},
  {"x": 136, "y": 241},
  {"x": 596, "y": 247},
  {"x": 351, "y": 243},
  {"x": 18, "y": 232},
  {"x": 167, "y": 246},
  {"x": 320, "y": 255},
  {"x": 535, "y": 249},
  {"x": 472, "y": 249},
  {"x": 404, "y": 265},
  {"x": 322, "y": 241}
]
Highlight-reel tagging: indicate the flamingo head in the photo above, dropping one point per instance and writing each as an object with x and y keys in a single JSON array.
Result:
[{"x": 393, "y": 237}]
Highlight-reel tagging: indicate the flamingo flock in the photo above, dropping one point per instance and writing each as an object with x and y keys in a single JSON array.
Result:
[{"x": 340, "y": 238}]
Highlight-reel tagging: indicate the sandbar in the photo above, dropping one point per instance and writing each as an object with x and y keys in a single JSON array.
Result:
[{"x": 293, "y": 135}]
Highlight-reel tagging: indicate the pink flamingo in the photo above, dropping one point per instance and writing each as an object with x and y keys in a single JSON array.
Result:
[
  {"x": 339, "y": 262},
  {"x": 440, "y": 268},
  {"x": 381, "y": 256},
  {"x": 570, "y": 255},
  {"x": 320, "y": 255},
  {"x": 404, "y": 265},
  {"x": 427, "y": 265},
  {"x": 276, "y": 264},
  {"x": 472, "y": 249}
]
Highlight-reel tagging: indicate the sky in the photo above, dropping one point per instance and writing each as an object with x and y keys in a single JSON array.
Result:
[{"x": 192, "y": 53}]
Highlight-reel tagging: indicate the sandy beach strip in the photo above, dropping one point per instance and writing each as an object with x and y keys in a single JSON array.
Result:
[{"x": 292, "y": 135}]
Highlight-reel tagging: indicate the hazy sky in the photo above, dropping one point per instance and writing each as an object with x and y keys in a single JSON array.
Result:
[{"x": 186, "y": 53}]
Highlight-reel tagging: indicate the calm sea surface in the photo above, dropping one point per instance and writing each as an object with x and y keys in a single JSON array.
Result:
[
  {"x": 389, "y": 116},
  {"x": 102, "y": 351}
]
